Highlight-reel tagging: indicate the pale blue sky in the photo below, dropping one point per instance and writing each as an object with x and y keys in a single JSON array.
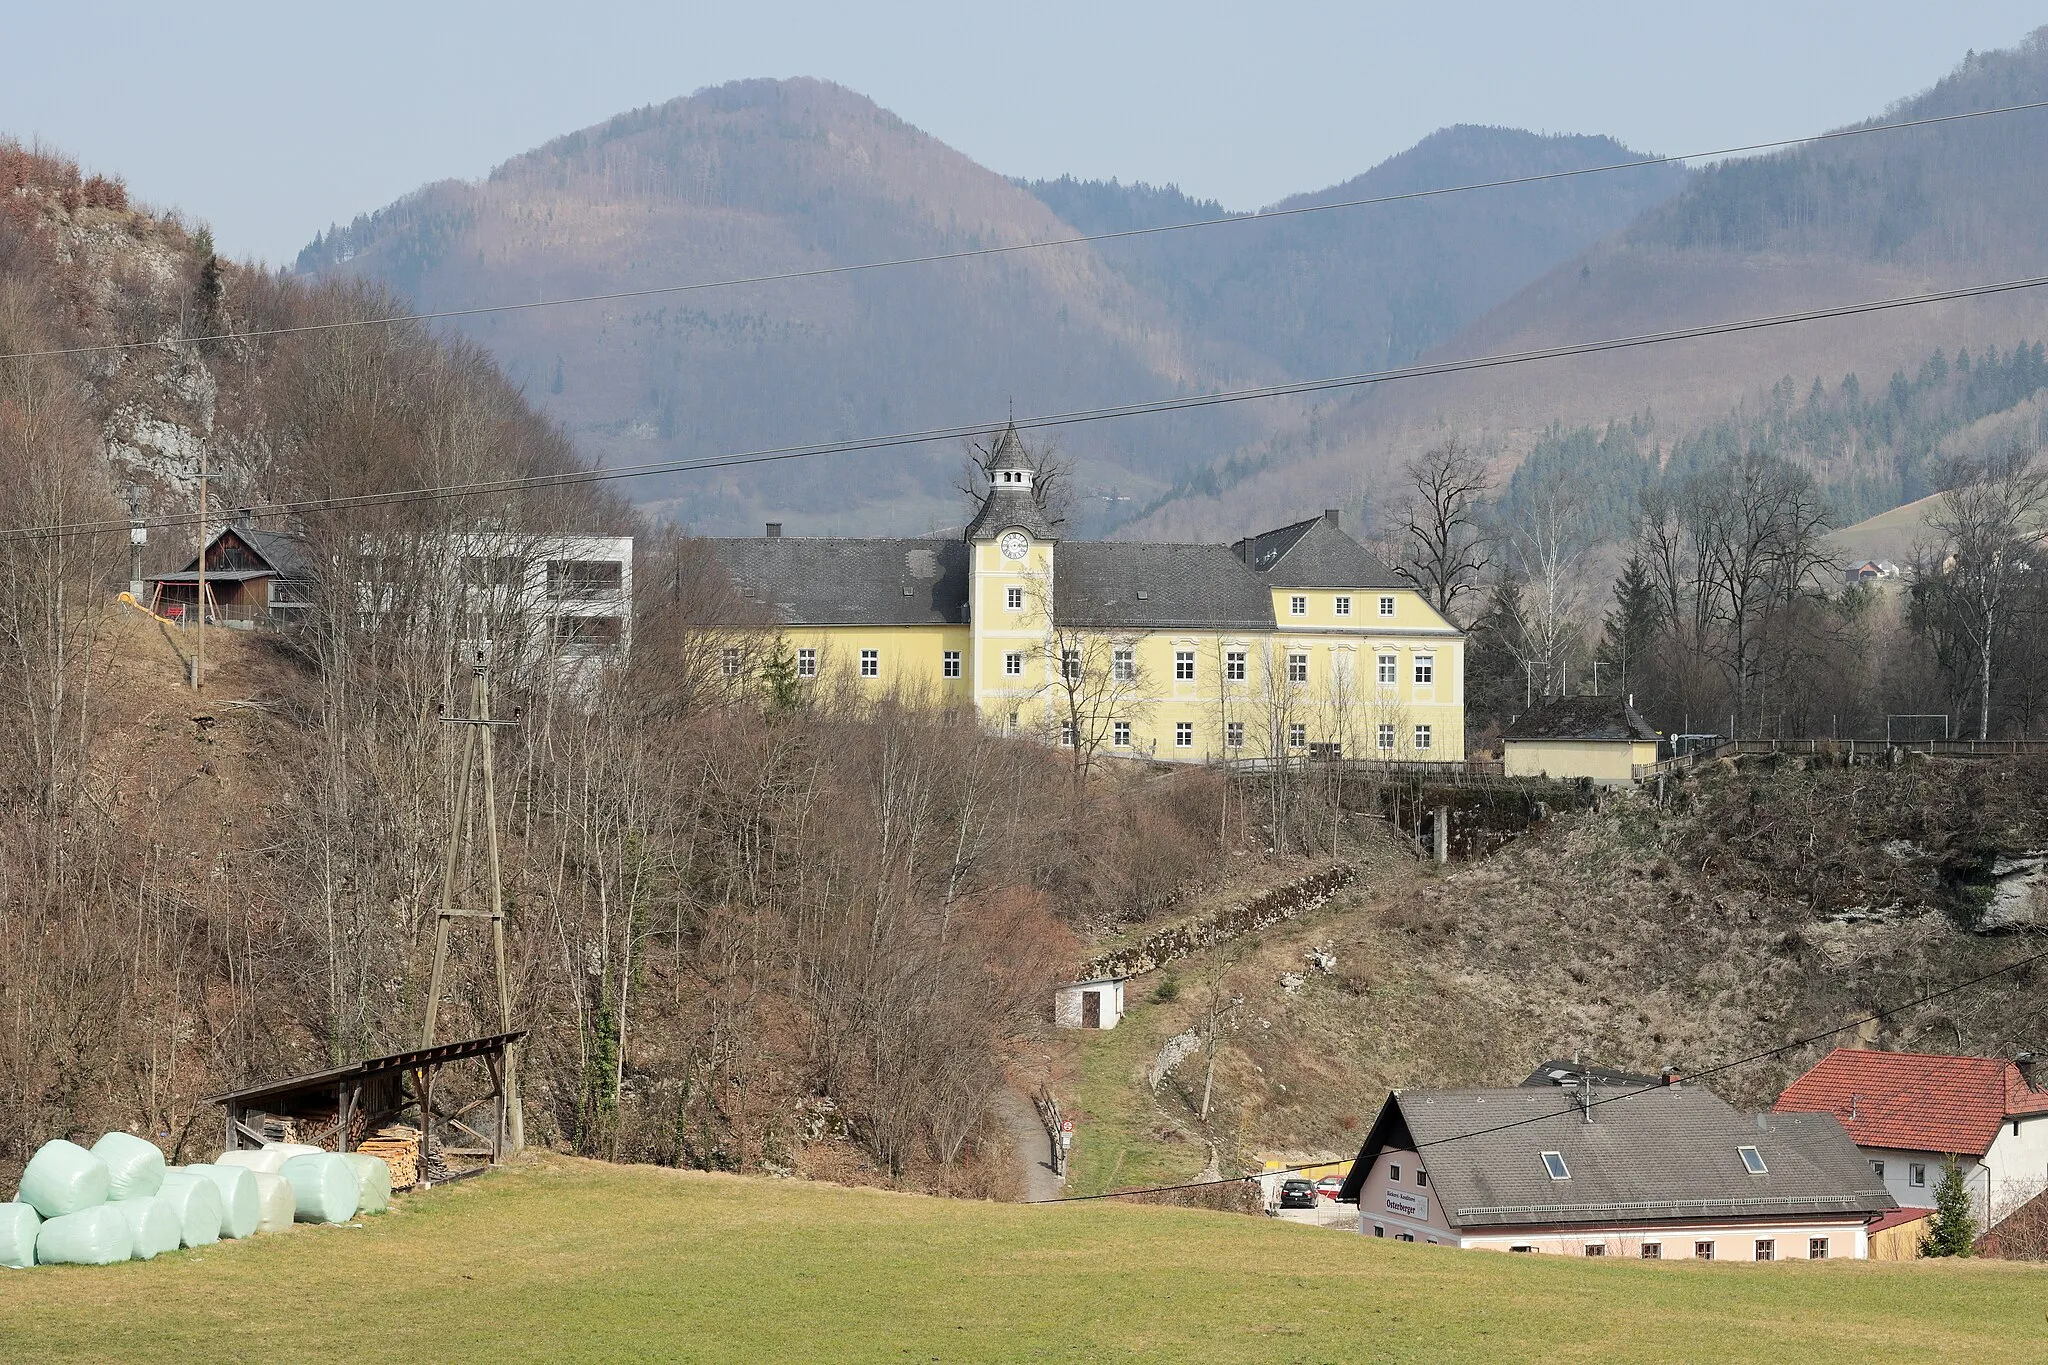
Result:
[{"x": 271, "y": 120}]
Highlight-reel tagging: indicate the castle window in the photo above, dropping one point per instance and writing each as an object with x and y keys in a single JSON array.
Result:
[
  {"x": 1343, "y": 606},
  {"x": 1390, "y": 670},
  {"x": 1233, "y": 666},
  {"x": 871, "y": 663},
  {"x": 1386, "y": 606},
  {"x": 1297, "y": 606},
  {"x": 1184, "y": 665},
  {"x": 1297, "y": 668},
  {"x": 1066, "y": 734},
  {"x": 1386, "y": 739},
  {"x": 1297, "y": 736},
  {"x": 1070, "y": 665},
  {"x": 1013, "y": 598},
  {"x": 807, "y": 663},
  {"x": 1425, "y": 670},
  {"x": 1233, "y": 734},
  {"x": 733, "y": 661},
  {"x": 1013, "y": 665},
  {"x": 1123, "y": 665},
  {"x": 1183, "y": 734},
  {"x": 951, "y": 663},
  {"x": 1422, "y": 736},
  {"x": 1120, "y": 734}
]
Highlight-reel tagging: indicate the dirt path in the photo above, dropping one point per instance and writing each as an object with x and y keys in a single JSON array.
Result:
[{"x": 1035, "y": 1177}]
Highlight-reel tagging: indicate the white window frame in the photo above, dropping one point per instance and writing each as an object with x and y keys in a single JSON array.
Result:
[
  {"x": 1386, "y": 606},
  {"x": 1297, "y": 605},
  {"x": 949, "y": 663},
  {"x": 1385, "y": 737},
  {"x": 1297, "y": 667},
  {"x": 1183, "y": 665},
  {"x": 1916, "y": 1175},
  {"x": 1343, "y": 606},
  {"x": 1752, "y": 1161},
  {"x": 1425, "y": 670},
  {"x": 1423, "y": 735},
  {"x": 1390, "y": 670},
  {"x": 1183, "y": 734},
  {"x": 1013, "y": 598},
  {"x": 1066, "y": 734},
  {"x": 1123, "y": 665},
  {"x": 733, "y": 660},
  {"x": 1120, "y": 734},
  {"x": 1070, "y": 665},
  {"x": 1297, "y": 735},
  {"x": 1555, "y": 1166},
  {"x": 871, "y": 663},
  {"x": 1233, "y": 665},
  {"x": 1013, "y": 664},
  {"x": 807, "y": 663},
  {"x": 1233, "y": 735}
]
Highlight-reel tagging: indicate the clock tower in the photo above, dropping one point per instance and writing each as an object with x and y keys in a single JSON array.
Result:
[{"x": 1010, "y": 545}]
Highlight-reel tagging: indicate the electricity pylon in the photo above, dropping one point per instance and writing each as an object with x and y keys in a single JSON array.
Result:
[{"x": 477, "y": 742}]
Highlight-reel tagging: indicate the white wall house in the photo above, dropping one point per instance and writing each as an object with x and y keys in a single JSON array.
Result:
[
  {"x": 1910, "y": 1113},
  {"x": 1089, "y": 1004},
  {"x": 1668, "y": 1173}
]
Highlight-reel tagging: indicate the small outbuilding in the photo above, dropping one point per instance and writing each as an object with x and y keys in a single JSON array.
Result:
[
  {"x": 1089, "y": 1004},
  {"x": 252, "y": 578},
  {"x": 1603, "y": 739}
]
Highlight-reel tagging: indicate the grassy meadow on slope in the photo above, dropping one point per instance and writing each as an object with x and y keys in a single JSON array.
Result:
[{"x": 559, "y": 1259}]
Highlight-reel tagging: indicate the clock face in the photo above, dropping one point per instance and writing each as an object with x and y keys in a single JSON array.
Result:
[{"x": 1015, "y": 545}]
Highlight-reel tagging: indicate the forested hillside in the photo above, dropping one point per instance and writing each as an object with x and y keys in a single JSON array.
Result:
[
  {"x": 765, "y": 176},
  {"x": 1832, "y": 223}
]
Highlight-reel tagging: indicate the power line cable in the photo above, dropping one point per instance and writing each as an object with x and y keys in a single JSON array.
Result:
[
  {"x": 1263, "y": 216},
  {"x": 1750, "y": 1060},
  {"x": 570, "y": 478}
]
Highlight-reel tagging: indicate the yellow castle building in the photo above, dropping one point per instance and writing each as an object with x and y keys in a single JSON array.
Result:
[{"x": 1297, "y": 642}]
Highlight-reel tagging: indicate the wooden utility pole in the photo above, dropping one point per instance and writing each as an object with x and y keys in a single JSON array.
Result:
[
  {"x": 199, "y": 639},
  {"x": 478, "y": 728}
]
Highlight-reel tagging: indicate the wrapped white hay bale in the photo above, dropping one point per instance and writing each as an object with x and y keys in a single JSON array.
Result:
[
  {"x": 18, "y": 1224},
  {"x": 269, "y": 1159},
  {"x": 135, "y": 1167},
  {"x": 274, "y": 1196},
  {"x": 323, "y": 1188},
  {"x": 241, "y": 1207},
  {"x": 153, "y": 1225},
  {"x": 94, "y": 1236},
  {"x": 62, "y": 1178},
  {"x": 196, "y": 1201},
  {"x": 373, "y": 1181}
]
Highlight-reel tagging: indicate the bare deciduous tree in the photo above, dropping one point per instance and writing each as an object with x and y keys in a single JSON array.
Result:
[
  {"x": 1991, "y": 516},
  {"x": 1444, "y": 546}
]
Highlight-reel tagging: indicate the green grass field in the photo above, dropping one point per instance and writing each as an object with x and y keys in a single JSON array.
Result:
[{"x": 568, "y": 1260}]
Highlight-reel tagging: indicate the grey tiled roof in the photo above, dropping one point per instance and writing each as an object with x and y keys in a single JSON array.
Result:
[
  {"x": 1007, "y": 506},
  {"x": 1141, "y": 585},
  {"x": 1665, "y": 1153},
  {"x": 1314, "y": 554},
  {"x": 846, "y": 582},
  {"x": 1583, "y": 718}
]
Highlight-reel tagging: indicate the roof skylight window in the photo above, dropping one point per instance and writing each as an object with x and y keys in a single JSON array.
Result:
[
  {"x": 1752, "y": 1160},
  {"x": 1553, "y": 1162}
]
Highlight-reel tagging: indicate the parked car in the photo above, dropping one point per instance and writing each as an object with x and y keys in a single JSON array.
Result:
[
  {"x": 1297, "y": 1194},
  {"x": 1328, "y": 1186}
]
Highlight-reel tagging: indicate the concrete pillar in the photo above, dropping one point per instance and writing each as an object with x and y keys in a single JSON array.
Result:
[{"x": 1443, "y": 834}]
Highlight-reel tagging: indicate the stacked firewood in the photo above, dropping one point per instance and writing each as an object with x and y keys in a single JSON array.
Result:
[{"x": 399, "y": 1145}]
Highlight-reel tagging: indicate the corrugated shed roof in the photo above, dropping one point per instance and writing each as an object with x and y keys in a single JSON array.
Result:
[
  {"x": 1314, "y": 554},
  {"x": 1667, "y": 1152},
  {"x": 1921, "y": 1102},
  {"x": 849, "y": 582},
  {"x": 1140, "y": 585},
  {"x": 1583, "y": 718}
]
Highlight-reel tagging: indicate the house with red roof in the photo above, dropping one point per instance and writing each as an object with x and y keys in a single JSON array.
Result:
[{"x": 1910, "y": 1112}]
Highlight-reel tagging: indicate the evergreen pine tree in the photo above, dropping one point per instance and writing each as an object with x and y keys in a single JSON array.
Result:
[
  {"x": 779, "y": 676},
  {"x": 1494, "y": 681},
  {"x": 1631, "y": 628},
  {"x": 1953, "y": 1229}
]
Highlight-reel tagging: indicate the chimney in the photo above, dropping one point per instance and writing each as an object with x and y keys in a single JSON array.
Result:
[
  {"x": 1331, "y": 515},
  {"x": 245, "y": 518},
  {"x": 1670, "y": 1075},
  {"x": 774, "y": 530}
]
